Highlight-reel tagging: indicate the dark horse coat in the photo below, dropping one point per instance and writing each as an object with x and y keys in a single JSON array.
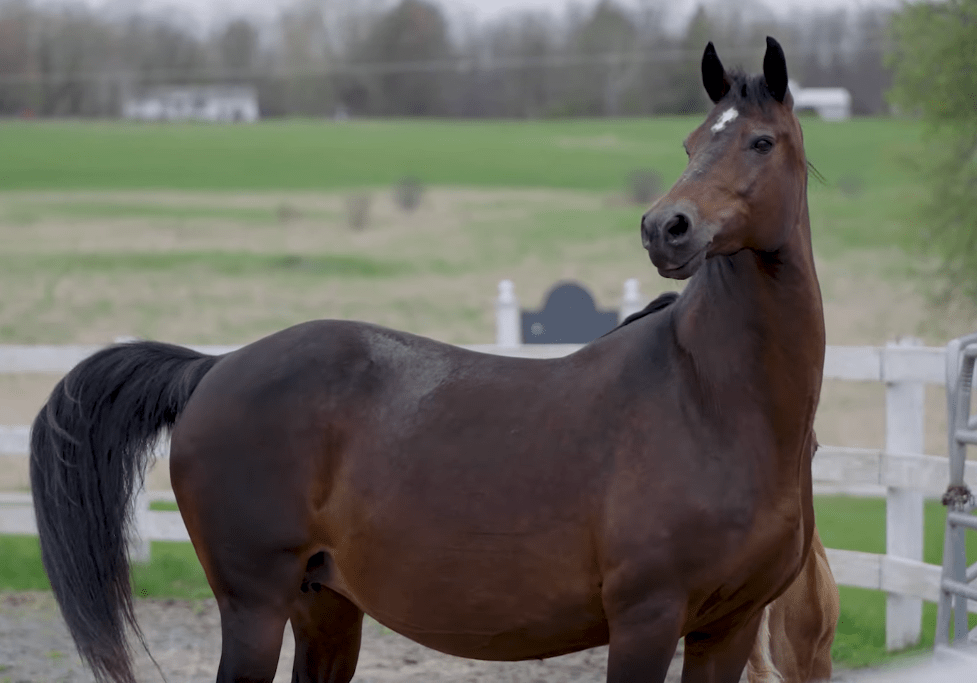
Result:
[{"x": 655, "y": 484}]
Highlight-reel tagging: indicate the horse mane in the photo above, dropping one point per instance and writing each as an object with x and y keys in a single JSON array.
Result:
[
  {"x": 748, "y": 88},
  {"x": 662, "y": 302}
]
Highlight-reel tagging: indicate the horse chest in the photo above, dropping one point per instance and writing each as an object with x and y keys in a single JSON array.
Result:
[{"x": 749, "y": 570}]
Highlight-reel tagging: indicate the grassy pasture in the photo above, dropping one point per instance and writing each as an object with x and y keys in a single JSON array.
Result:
[
  {"x": 307, "y": 155},
  {"x": 205, "y": 234},
  {"x": 316, "y": 155},
  {"x": 867, "y": 163},
  {"x": 90, "y": 206}
]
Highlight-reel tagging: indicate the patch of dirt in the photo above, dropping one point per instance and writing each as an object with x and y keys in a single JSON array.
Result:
[
  {"x": 449, "y": 251},
  {"x": 184, "y": 639},
  {"x": 307, "y": 222}
]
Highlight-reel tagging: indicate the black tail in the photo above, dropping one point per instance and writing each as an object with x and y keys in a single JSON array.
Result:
[{"x": 90, "y": 446}]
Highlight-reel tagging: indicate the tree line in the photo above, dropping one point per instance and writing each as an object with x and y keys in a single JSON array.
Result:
[{"x": 320, "y": 57}]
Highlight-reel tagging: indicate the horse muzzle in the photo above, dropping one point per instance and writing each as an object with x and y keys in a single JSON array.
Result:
[{"x": 676, "y": 248}]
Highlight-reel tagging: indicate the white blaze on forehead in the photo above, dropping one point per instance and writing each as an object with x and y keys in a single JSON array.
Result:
[{"x": 724, "y": 119}]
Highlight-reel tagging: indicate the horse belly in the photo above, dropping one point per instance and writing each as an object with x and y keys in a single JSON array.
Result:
[
  {"x": 480, "y": 598},
  {"x": 549, "y": 638}
]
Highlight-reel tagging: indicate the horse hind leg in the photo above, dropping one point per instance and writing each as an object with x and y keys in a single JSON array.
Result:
[
  {"x": 251, "y": 643},
  {"x": 327, "y": 629},
  {"x": 254, "y": 606}
]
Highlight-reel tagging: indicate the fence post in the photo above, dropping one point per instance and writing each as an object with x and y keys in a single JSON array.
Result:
[
  {"x": 139, "y": 548},
  {"x": 904, "y": 425},
  {"x": 508, "y": 331},
  {"x": 631, "y": 302}
]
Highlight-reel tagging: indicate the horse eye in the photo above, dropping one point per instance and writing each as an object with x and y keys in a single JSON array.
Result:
[
  {"x": 763, "y": 145},
  {"x": 686, "y": 148}
]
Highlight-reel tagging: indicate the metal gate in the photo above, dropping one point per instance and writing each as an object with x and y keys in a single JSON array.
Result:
[{"x": 956, "y": 579}]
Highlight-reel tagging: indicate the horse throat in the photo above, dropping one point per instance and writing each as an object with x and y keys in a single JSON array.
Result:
[{"x": 765, "y": 312}]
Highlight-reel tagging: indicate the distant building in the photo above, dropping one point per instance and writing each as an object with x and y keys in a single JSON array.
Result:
[
  {"x": 831, "y": 104},
  {"x": 193, "y": 103}
]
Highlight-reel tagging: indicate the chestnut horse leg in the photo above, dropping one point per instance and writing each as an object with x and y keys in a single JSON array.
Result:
[
  {"x": 327, "y": 630},
  {"x": 642, "y": 643},
  {"x": 719, "y": 659},
  {"x": 796, "y": 645}
]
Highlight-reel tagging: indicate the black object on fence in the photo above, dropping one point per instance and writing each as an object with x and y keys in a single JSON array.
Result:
[{"x": 569, "y": 316}]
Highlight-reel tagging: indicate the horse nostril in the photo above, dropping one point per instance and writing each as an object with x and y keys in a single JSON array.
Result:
[
  {"x": 677, "y": 227},
  {"x": 647, "y": 230}
]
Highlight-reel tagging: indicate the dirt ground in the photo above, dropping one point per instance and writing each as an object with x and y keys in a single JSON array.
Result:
[{"x": 184, "y": 639}]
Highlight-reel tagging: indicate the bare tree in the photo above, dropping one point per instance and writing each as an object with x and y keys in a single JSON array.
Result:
[
  {"x": 413, "y": 35},
  {"x": 304, "y": 58},
  {"x": 686, "y": 89},
  {"x": 608, "y": 41},
  {"x": 16, "y": 26},
  {"x": 238, "y": 46},
  {"x": 516, "y": 60},
  {"x": 373, "y": 58},
  {"x": 71, "y": 46}
]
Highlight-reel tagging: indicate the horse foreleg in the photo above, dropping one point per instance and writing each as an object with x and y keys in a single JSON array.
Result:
[
  {"x": 327, "y": 630},
  {"x": 643, "y": 639},
  {"x": 719, "y": 658}
]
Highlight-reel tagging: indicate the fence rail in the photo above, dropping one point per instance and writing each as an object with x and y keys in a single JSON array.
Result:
[
  {"x": 855, "y": 363},
  {"x": 900, "y": 470}
]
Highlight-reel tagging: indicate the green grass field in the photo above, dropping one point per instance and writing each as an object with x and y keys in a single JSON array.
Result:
[
  {"x": 868, "y": 164},
  {"x": 573, "y": 154},
  {"x": 87, "y": 174},
  {"x": 92, "y": 246},
  {"x": 859, "y": 524},
  {"x": 323, "y": 155}
]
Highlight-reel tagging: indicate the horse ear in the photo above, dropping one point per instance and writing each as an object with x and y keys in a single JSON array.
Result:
[
  {"x": 713, "y": 74},
  {"x": 775, "y": 70}
]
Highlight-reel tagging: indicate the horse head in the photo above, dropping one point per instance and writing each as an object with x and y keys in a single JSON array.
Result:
[{"x": 746, "y": 181}]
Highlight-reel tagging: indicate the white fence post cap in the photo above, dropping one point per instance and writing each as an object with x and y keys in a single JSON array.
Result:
[{"x": 507, "y": 292}]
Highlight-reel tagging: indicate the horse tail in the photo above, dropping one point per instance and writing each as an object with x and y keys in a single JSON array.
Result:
[
  {"x": 90, "y": 446},
  {"x": 761, "y": 668}
]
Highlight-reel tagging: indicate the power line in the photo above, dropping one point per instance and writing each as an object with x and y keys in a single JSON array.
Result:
[{"x": 458, "y": 65}]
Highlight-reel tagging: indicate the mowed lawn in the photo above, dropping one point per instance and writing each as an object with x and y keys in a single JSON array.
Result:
[
  {"x": 110, "y": 224},
  {"x": 317, "y": 155}
]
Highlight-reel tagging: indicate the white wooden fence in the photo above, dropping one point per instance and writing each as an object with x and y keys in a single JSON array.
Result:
[{"x": 900, "y": 470}]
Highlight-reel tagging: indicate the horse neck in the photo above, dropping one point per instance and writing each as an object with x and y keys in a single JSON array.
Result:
[{"x": 752, "y": 327}]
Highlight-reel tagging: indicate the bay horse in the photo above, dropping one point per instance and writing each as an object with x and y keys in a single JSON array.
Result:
[{"x": 655, "y": 484}]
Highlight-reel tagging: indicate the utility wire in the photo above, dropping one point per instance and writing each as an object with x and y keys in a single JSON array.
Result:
[{"x": 459, "y": 65}]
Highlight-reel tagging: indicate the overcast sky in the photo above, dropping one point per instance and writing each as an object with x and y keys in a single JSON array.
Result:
[{"x": 678, "y": 10}]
